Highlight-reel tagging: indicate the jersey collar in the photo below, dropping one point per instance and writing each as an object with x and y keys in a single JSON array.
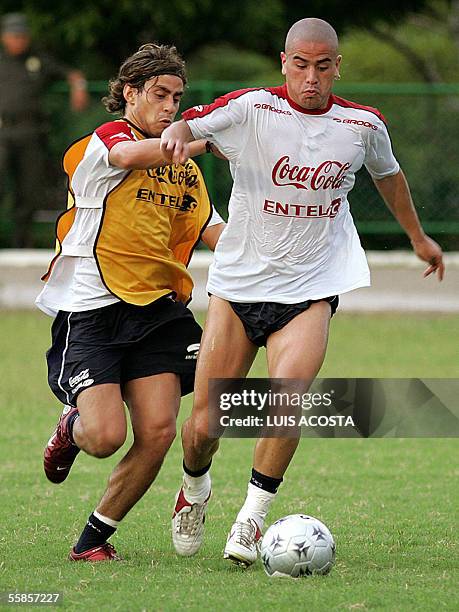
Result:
[
  {"x": 305, "y": 111},
  {"x": 135, "y": 127}
]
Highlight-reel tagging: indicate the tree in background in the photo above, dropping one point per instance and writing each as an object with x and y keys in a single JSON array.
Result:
[
  {"x": 98, "y": 34},
  {"x": 424, "y": 46},
  {"x": 397, "y": 41}
]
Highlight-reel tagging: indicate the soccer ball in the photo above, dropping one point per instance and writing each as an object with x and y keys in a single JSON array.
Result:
[{"x": 297, "y": 545}]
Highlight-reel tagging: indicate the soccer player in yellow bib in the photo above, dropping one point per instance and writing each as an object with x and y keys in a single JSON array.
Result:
[{"x": 118, "y": 288}]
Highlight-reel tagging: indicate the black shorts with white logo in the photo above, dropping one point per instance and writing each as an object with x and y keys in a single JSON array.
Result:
[
  {"x": 122, "y": 342},
  {"x": 261, "y": 319}
]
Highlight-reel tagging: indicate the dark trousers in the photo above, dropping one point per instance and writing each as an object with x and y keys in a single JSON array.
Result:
[{"x": 22, "y": 173}]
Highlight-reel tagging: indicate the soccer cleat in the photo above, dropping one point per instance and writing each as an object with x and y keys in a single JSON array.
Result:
[
  {"x": 60, "y": 452},
  {"x": 242, "y": 543},
  {"x": 188, "y": 525},
  {"x": 106, "y": 552}
]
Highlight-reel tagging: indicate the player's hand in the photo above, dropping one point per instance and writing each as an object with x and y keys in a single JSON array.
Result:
[
  {"x": 175, "y": 149},
  {"x": 428, "y": 250}
]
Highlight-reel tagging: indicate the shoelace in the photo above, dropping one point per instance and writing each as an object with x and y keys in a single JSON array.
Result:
[
  {"x": 245, "y": 534},
  {"x": 189, "y": 522},
  {"x": 111, "y": 550}
]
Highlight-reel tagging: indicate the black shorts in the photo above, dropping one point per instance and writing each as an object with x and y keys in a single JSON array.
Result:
[
  {"x": 121, "y": 342},
  {"x": 261, "y": 319}
]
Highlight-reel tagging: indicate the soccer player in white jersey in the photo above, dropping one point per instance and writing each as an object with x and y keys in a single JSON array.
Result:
[
  {"x": 289, "y": 249},
  {"x": 118, "y": 289}
]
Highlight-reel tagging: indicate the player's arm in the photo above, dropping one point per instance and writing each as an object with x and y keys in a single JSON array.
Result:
[
  {"x": 211, "y": 148},
  {"x": 211, "y": 235},
  {"x": 197, "y": 190},
  {"x": 175, "y": 142},
  {"x": 143, "y": 154},
  {"x": 396, "y": 194}
]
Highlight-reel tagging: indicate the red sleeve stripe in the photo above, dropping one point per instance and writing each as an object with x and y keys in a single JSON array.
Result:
[
  {"x": 348, "y": 104},
  {"x": 202, "y": 111},
  {"x": 113, "y": 132},
  {"x": 280, "y": 92}
]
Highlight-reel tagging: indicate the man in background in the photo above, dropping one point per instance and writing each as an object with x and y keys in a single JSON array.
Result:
[{"x": 25, "y": 75}]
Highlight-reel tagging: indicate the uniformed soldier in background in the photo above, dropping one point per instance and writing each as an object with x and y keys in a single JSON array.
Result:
[{"x": 24, "y": 76}]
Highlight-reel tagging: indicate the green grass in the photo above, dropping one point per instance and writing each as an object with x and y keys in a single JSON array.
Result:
[{"x": 391, "y": 504}]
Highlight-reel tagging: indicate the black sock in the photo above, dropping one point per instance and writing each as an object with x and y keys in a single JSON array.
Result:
[
  {"x": 70, "y": 424},
  {"x": 94, "y": 534},
  {"x": 198, "y": 473},
  {"x": 267, "y": 483}
]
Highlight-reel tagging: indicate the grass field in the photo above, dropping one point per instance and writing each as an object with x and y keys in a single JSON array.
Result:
[{"x": 391, "y": 504}]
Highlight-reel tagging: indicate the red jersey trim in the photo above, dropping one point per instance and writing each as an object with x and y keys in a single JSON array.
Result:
[
  {"x": 137, "y": 129},
  {"x": 203, "y": 110},
  {"x": 348, "y": 104},
  {"x": 113, "y": 132},
  {"x": 281, "y": 92}
]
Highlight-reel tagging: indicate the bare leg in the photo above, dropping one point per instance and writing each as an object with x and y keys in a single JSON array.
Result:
[
  {"x": 225, "y": 352},
  {"x": 101, "y": 429},
  {"x": 153, "y": 404},
  {"x": 295, "y": 351}
]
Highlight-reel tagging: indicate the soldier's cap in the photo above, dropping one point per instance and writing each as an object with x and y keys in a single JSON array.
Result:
[{"x": 16, "y": 23}]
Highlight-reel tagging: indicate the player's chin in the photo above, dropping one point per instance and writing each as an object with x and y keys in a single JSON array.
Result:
[{"x": 312, "y": 102}]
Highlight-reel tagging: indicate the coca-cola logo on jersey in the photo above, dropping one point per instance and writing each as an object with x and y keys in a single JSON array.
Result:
[{"x": 329, "y": 174}]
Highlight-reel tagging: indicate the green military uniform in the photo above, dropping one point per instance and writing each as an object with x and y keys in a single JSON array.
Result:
[{"x": 23, "y": 81}]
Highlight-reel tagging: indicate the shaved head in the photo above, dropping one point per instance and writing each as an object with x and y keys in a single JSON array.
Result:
[
  {"x": 311, "y": 62},
  {"x": 311, "y": 30}
]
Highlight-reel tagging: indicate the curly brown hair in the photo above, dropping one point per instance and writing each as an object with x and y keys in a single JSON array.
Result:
[{"x": 149, "y": 61}]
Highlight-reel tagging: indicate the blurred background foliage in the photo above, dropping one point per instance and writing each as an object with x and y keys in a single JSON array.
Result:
[
  {"x": 98, "y": 34},
  {"x": 231, "y": 45}
]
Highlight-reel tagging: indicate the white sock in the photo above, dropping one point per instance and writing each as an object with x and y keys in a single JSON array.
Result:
[
  {"x": 256, "y": 505},
  {"x": 196, "y": 488},
  {"x": 106, "y": 520}
]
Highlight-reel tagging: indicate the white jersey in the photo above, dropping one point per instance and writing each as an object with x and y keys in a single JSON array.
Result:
[
  {"x": 290, "y": 235},
  {"x": 75, "y": 283}
]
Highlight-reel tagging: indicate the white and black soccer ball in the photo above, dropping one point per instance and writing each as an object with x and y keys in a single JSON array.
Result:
[{"x": 297, "y": 545}]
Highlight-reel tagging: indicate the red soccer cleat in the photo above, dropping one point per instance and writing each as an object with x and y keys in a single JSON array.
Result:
[
  {"x": 106, "y": 552},
  {"x": 60, "y": 452}
]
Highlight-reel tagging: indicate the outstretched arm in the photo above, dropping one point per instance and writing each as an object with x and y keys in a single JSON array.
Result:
[
  {"x": 396, "y": 194},
  {"x": 147, "y": 153}
]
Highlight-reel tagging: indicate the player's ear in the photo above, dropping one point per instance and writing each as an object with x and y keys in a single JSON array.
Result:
[
  {"x": 337, "y": 65},
  {"x": 283, "y": 60},
  {"x": 129, "y": 93}
]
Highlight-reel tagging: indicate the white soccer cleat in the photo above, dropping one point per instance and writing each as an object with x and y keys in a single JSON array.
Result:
[
  {"x": 188, "y": 525},
  {"x": 242, "y": 543}
]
